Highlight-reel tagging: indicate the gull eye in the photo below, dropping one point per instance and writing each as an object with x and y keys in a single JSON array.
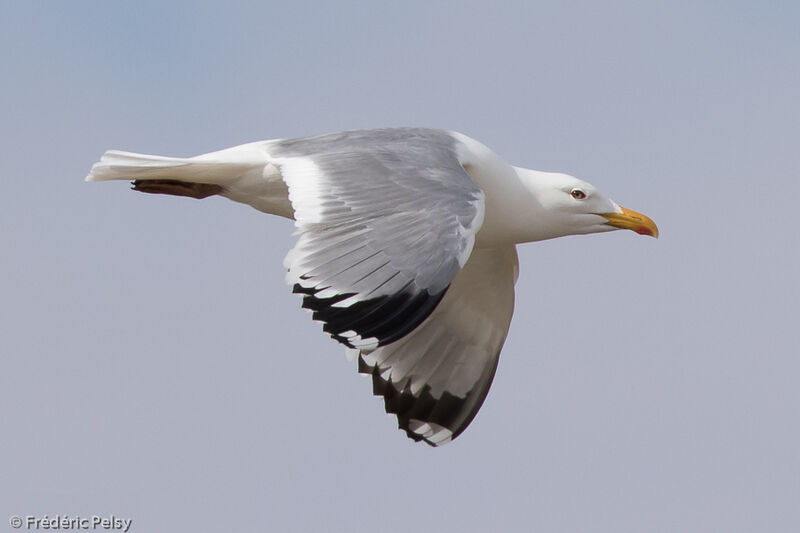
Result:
[{"x": 578, "y": 194}]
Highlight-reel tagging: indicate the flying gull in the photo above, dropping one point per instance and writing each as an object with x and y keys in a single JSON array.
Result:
[{"x": 406, "y": 249}]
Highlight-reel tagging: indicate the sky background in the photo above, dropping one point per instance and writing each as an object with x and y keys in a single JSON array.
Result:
[{"x": 155, "y": 366}]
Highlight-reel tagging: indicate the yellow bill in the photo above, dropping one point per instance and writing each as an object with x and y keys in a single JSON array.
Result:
[{"x": 630, "y": 219}]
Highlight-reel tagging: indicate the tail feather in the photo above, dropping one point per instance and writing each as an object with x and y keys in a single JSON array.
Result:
[
  {"x": 218, "y": 168},
  {"x": 118, "y": 165}
]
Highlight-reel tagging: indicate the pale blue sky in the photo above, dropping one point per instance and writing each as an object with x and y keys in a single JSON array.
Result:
[{"x": 156, "y": 367}]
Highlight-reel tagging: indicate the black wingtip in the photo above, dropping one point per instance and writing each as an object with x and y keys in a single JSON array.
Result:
[{"x": 385, "y": 318}]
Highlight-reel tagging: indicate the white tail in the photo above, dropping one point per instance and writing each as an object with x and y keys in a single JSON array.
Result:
[
  {"x": 117, "y": 165},
  {"x": 218, "y": 168}
]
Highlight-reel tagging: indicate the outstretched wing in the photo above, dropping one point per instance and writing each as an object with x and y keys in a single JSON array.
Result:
[
  {"x": 386, "y": 219},
  {"x": 436, "y": 378}
]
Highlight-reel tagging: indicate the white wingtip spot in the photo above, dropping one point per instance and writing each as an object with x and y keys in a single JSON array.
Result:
[
  {"x": 367, "y": 344},
  {"x": 430, "y": 431},
  {"x": 347, "y": 302}
]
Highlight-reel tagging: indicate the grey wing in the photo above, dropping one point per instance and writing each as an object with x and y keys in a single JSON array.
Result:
[
  {"x": 386, "y": 219},
  {"x": 436, "y": 378}
]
